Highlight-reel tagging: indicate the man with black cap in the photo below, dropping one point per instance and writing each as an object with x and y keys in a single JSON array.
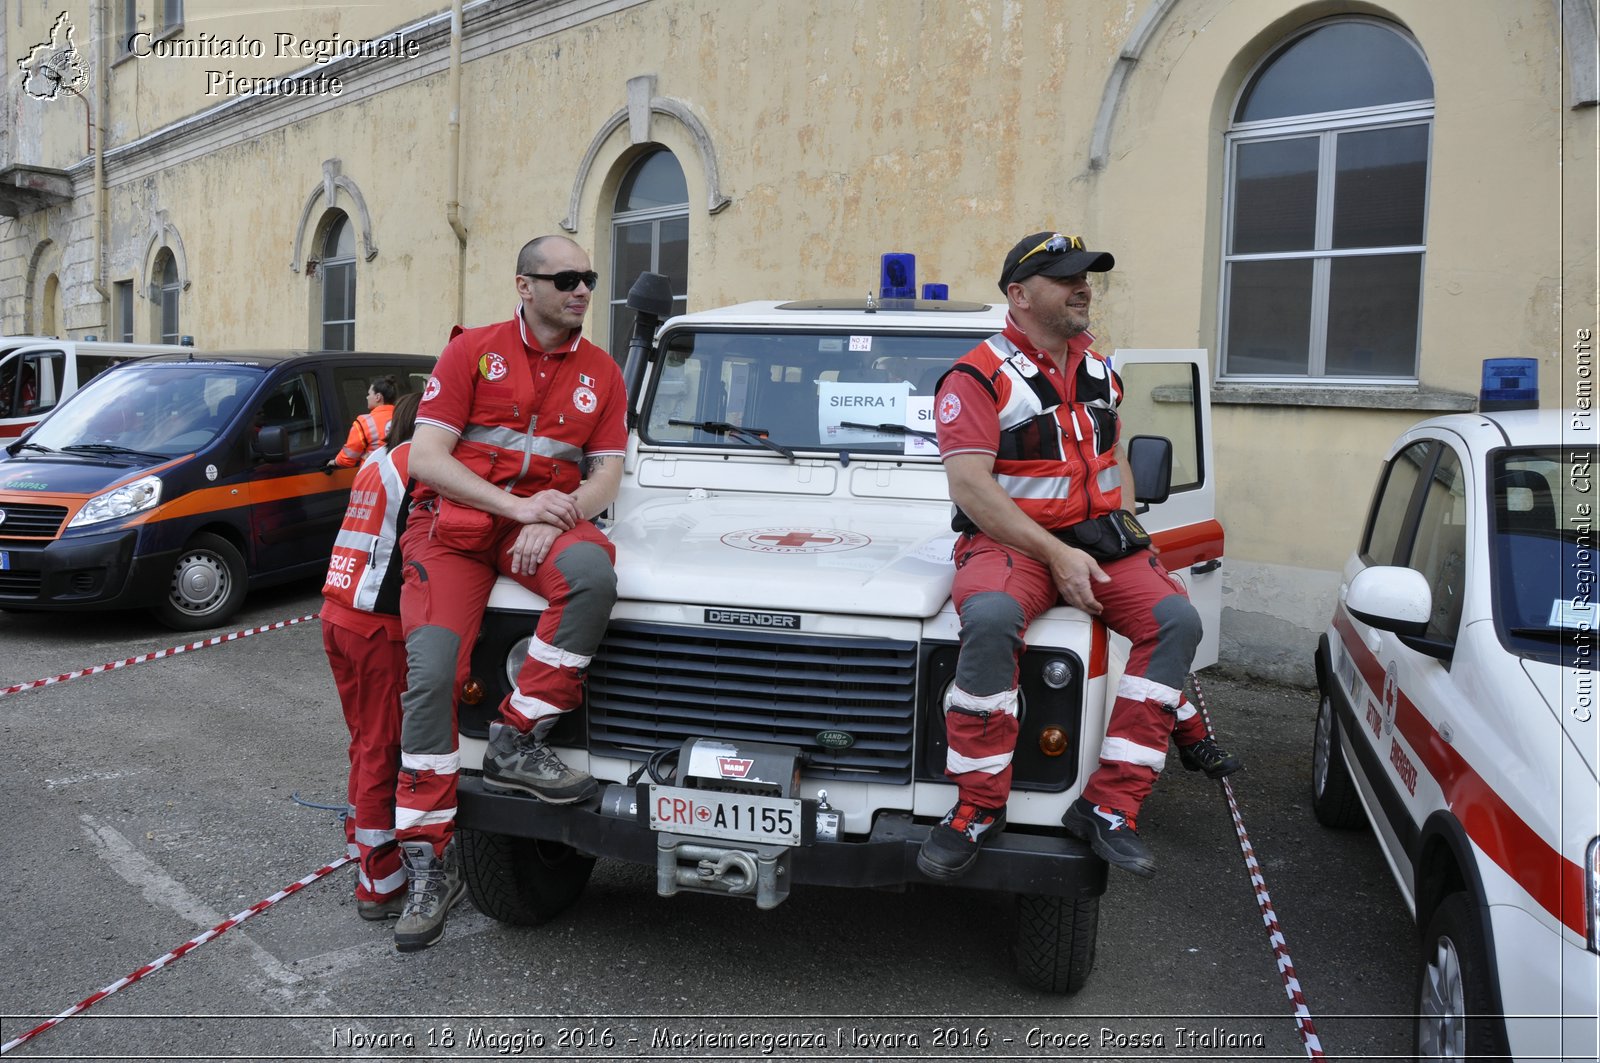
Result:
[{"x": 1028, "y": 432}]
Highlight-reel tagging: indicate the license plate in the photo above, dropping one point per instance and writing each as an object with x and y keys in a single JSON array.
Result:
[
  {"x": 734, "y": 817},
  {"x": 5, "y": 561}
]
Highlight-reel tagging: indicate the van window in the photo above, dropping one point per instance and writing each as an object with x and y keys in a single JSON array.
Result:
[
  {"x": 92, "y": 365},
  {"x": 31, "y": 384},
  {"x": 294, "y": 405},
  {"x": 350, "y": 384}
]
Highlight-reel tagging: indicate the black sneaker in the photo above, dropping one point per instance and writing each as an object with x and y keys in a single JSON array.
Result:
[
  {"x": 517, "y": 761},
  {"x": 953, "y": 843},
  {"x": 1113, "y": 835},
  {"x": 436, "y": 886},
  {"x": 1205, "y": 755}
]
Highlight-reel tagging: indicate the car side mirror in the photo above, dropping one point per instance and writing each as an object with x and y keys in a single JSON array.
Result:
[
  {"x": 1399, "y": 600},
  {"x": 1150, "y": 458},
  {"x": 272, "y": 443}
]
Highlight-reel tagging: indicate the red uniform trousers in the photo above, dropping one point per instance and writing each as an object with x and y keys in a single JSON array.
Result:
[
  {"x": 368, "y": 660},
  {"x": 999, "y": 591},
  {"x": 447, "y": 585}
]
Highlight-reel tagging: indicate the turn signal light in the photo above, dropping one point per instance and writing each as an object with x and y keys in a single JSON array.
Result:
[
  {"x": 1052, "y": 741},
  {"x": 472, "y": 691}
]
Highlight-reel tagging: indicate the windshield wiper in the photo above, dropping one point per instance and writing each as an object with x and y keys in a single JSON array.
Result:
[
  {"x": 40, "y": 447},
  {"x": 112, "y": 448},
  {"x": 892, "y": 429},
  {"x": 739, "y": 432},
  {"x": 1547, "y": 634}
]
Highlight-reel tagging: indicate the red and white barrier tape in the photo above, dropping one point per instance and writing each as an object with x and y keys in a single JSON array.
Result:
[
  {"x": 173, "y": 652},
  {"x": 1280, "y": 948},
  {"x": 186, "y": 947}
]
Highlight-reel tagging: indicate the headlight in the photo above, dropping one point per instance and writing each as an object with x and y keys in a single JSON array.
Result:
[
  {"x": 515, "y": 658},
  {"x": 1591, "y": 882},
  {"x": 128, "y": 499}
]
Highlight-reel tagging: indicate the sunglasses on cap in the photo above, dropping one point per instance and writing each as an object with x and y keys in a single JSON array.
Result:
[
  {"x": 1056, "y": 245},
  {"x": 568, "y": 279}
]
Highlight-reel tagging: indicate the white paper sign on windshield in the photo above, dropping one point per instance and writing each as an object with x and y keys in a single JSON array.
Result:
[
  {"x": 869, "y": 404},
  {"x": 919, "y": 418}
]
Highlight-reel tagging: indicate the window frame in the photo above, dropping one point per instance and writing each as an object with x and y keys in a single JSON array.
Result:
[
  {"x": 124, "y": 310},
  {"x": 1327, "y": 127},
  {"x": 654, "y": 216},
  {"x": 338, "y": 223},
  {"x": 170, "y": 292}
]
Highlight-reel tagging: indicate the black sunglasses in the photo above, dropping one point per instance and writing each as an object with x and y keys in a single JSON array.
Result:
[{"x": 568, "y": 279}]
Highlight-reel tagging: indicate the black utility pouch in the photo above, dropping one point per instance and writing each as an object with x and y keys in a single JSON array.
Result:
[{"x": 1107, "y": 537}]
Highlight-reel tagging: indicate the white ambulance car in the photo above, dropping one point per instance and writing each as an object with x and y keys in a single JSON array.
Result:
[
  {"x": 1458, "y": 714},
  {"x": 765, "y": 710}
]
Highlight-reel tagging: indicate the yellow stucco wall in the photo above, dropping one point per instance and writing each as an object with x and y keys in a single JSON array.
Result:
[{"x": 840, "y": 130}]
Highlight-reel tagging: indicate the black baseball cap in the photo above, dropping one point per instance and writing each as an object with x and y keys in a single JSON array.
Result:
[{"x": 1053, "y": 255}]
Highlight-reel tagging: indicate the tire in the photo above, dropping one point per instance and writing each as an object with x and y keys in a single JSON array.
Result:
[
  {"x": 521, "y": 881},
  {"x": 1455, "y": 1011},
  {"x": 206, "y": 587},
  {"x": 1333, "y": 793},
  {"x": 1055, "y": 941}
]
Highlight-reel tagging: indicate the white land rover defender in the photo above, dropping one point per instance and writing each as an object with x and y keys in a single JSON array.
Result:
[{"x": 765, "y": 710}]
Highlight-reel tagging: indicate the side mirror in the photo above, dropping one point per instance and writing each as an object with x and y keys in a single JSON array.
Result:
[
  {"x": 1391, "y": 598},
  {"x": 650, "y": 299},
  {"x": 272, "y": 443},
  {"x": 1150, "y": 458}
]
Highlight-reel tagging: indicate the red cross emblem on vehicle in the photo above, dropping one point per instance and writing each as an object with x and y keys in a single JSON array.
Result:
[{"x": 795, "y": 538}]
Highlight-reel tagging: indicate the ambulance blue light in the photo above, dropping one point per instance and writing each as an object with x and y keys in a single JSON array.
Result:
[
  {"x": 898, "y": 279},
  {"x": 1509, "y": 384},
  {"x": 936, "y": 291}
]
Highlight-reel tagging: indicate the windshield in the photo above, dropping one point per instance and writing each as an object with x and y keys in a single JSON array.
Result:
[
  {"x": 800, "y": 390},
  {"x": 1542, "y": 548},
  {"x": 160, "y": 409}
]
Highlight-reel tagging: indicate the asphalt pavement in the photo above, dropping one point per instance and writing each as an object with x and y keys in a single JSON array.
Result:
[{"x": 150, "y": 803}]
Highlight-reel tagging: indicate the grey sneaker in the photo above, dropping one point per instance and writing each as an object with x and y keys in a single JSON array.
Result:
[
  {"x": 436, "y": 887},
  {"x": 378, "y": 911},
  {"x": 518, "y": 761}
]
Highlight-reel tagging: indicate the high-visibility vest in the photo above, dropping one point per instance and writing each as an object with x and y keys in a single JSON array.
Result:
[
  {"x": 1056, "y": 460},
  {"x": 364, "y": 571},
  {"x": 367, "y": 434}
]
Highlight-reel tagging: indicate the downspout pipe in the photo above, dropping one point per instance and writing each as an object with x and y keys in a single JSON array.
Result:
[
  {"x": 103, "y": 102},
  {"x": 452, "y": 208}
]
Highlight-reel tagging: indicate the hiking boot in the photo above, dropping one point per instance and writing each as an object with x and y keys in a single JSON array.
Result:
[
  {"x": 378, "y": 911},
  {"x": 1112, "y": 834},
  {"x": 436, "y": 887},
  {"x": 952, "y": 845},
  {"x": 519, "y": 761},
  {"x": 1205, "y": 755}
]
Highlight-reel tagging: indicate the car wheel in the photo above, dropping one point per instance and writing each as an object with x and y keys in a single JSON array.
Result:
[
  {"x": 522, "y": 881},
  {"x": 1333, "y": 793},
  {"x": 1056, "y": 940},
  {"x": 1455, "y": 1012},
  {"x": 207, "y": 585}
]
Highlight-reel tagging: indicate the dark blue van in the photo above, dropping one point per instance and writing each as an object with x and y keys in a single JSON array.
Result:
[{"x": 177, "y": 482}]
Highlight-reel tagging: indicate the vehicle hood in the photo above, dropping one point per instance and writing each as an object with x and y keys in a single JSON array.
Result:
[
  {"x": 864, "y": 557},
  {"x": 21, "y": 477},
  {"x": 1569, "y": 693}
]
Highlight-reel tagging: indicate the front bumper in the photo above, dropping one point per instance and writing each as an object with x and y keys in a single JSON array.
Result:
[
  {"x": 1057, "y": 866},
  {"x": 105, "y": 570}
]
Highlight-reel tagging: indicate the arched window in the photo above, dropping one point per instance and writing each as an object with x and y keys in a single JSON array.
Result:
[
  {"x": 1326, "y": 208},
  {"x": 338, "y": 272},
  {"x": 168, "y": 290},
  {"x": 649, "y": 232}
]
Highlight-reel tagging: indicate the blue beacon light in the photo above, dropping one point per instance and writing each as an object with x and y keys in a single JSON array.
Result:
[
  {"x": 898, "y": 278},
  {"x": 1509, "y": 384}
]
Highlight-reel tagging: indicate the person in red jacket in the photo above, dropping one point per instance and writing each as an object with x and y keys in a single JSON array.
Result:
[
  {"x": 1029, "y": 436},
  {"x": 519, "y": 445},
  {"x": 368, "y": 431},
  {"x": 366, "y": 651}
]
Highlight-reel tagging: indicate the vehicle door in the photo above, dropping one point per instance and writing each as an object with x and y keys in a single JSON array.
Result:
[
  {"x": 33, "y": 381},
  {"x": 1166, "y": 393},
  {"x": 295, "y": 504},
  {"x": 1424, "y": 518}
]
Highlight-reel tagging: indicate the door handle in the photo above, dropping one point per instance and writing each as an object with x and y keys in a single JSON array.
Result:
[{"x": 1206, "y": 566}]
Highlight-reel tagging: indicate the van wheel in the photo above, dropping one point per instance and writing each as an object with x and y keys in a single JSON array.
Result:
[
  {"x": 1455, "y": 1016},
  {"x": 1055, "y": 941},
  {"x": 207, "y": 584},
  {"x": 521, "y": 881},
  {"x": 1333, "y": 794}
]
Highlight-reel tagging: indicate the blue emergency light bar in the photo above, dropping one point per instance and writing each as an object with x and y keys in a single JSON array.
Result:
[
  {"x": 936, "y": 291},
  {"x": 1509, "y": 384},
  {"x": 898, "y": 278}
]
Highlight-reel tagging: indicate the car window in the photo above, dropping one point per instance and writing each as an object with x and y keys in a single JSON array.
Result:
[
  {"x": 1393, "y": 503},
  {"x": 1440, "y": 549},
  {"x": 1159, "y": 399},
  {"x": 350, "y": 384},
  {"x": 1541, "y": 551},
  {"x": 293, "y": 404}
]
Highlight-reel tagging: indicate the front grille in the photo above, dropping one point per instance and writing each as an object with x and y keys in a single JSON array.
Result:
[
  {"x": 19, "y": 584},
  {"x": 653, "y": 685},
  {"x": 30, "y": 520}
]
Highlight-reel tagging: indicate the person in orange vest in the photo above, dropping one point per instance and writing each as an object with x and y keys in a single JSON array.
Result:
[
  {"x": 1030, "y": 439},
  {"x": 368, "y": 431},
  {"x": 366, "y": 650}
]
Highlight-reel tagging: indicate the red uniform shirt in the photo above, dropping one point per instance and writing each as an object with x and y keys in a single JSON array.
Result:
[{"x": 525, "y": 417}]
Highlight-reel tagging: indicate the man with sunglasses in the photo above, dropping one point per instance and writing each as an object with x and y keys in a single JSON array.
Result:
[
  {"x": 1028, "y": 432},
  {"x": 518, "y": 446}
]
